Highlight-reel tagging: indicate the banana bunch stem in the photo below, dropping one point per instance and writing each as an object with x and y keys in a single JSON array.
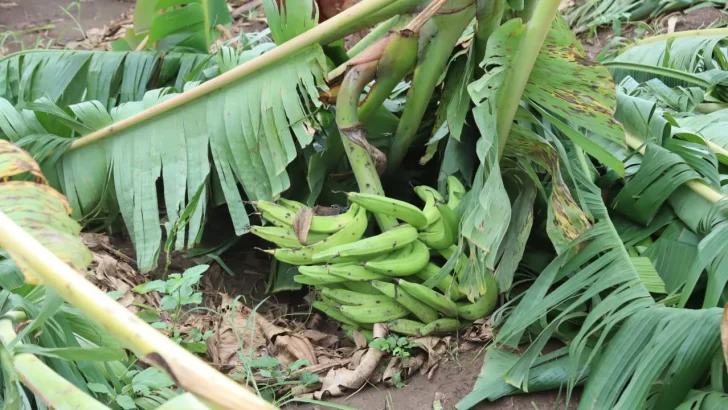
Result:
[{"x": 450, "y": 24}]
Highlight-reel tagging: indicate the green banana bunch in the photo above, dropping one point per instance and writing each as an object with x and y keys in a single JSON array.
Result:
[{"x": 360, "y": 279}]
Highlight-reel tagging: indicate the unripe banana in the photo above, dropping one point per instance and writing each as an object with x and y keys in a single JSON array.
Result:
[
  {"x": 434, "y": 299},
  {"x": 347, "y": 297},
  {"x": 447, "y": 285},
  {"x": 356, "y": 273},
  {"x": 405, "y": 327},
  {"x": 483, "y": 306},
  {"x": 312, "y": 281},
  {"x": 352, "y": 232},
  {"x": 440, "y": 326},
  {"x": 368, "y": 334},
  {"x": 422, "y": 311},
  {"x": 380, "y": 204},
  {"x": 430, "y": 208},
  {"x": 272, "y": 212},
  {"x": 438, "y": 235},
  {"x": 317, "y": 276},
  {"x": 334, "y": 313},
  {"x": 361, "y": 287},
  {"x": 423, "y": 191},
  {"x": 379, "y": 313},
  {"x": 393, "y": 239},
  {"x": 284, "y": 236},
  {"x": 450, "y": 220},
  {"x": 404, "y": 262},
  {"x": 455, "y": 192},
  {"x": 294, "y": 206}
]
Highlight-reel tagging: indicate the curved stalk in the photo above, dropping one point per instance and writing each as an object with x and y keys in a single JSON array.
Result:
[
  {"x": 188, "y": 370},
  {"x": 395, "y": 23},
  {"x": 350, "y": 20},
  {"x": 516, "y": 79}
]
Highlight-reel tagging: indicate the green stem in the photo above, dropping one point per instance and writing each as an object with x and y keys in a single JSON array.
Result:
[
  {"x": 515, "y": 82},
  {"x": 427, "y": 73},
  {"x": 394, "y": 23},
  {"x": 347, "y": 119}
]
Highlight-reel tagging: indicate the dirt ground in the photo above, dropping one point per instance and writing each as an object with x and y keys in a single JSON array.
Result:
[{"x": 35, "y": 22}]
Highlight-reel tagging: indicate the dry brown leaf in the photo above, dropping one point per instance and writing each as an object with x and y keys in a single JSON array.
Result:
[
  {"x": 338, "y": 381},
  {"x": 234, "y": 332},
  {"x": 435, "y": 348},
  {"x": 287, "y": 347},
  {"x": 302, "y": 223},
  {"x": 359, "y": 339},
  {"x": 393, "y": 367},
  {"x": 322, "y": 339}
]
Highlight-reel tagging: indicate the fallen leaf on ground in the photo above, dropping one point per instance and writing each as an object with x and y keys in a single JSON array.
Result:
[{"x": 338, "y": 382}]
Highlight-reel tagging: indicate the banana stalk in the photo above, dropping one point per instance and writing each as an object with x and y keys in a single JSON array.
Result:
[
  {"x": 188, "y": 370},
  {"x": 53, "y": 389},
  {"x": 450, "y": 23},
  {"x": 366, "y": 161}
]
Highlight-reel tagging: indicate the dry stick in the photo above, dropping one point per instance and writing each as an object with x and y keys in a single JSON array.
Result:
[
  {"x": 318, "y": 34},
  {"x": 140, "y": 47},
  {"x": 698, "y": 186},
  {"x": 188, "y": 370},
  {"x": 225, "y": 32}
]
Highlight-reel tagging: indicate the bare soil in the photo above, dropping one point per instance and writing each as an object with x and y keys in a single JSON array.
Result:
[
  {"x": 35, "y": 22},
  {"x": 679, "y": 21},
  {"x": 44, "y": 22}
]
